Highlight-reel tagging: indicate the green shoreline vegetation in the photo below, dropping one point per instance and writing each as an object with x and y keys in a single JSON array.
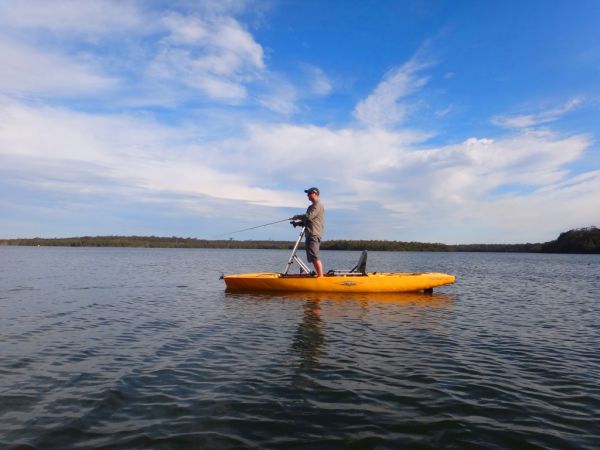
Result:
[{"x": 581, "y": 240}]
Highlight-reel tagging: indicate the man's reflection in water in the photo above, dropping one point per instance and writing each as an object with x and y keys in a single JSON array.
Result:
[{"x": 309, "y": 336}]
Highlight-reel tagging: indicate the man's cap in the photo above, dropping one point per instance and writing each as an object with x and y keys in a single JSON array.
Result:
[{"x": 312, "y": 189}]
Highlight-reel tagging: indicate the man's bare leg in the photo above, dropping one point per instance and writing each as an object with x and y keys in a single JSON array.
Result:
[{"x": 318, "y": 267}]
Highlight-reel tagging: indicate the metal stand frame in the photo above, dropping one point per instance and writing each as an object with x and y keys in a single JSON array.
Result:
[
  {"x": 359, "y": 270},
  {"x": 295, "y": 258}
]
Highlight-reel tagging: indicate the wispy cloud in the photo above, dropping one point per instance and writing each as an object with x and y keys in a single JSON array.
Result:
[
  {"x": 136, "y": 56},
  {"x": 383, "y": 108},
  {"x": 215, "y": 55},
  {"x": 117, "y": 153},
  {"x": 207, "y": 52},
  {"x": 540, "y": 118},
  {"x": 90, "y": 18},
  {"x": 280, "y": 96},
  {"x": 318, "y": 82},
  {"x": 26, "y": 71},
  {"x": 441, "y": 113}
]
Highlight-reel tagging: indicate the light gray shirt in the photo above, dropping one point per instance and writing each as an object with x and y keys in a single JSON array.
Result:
[{"x": 314, "y": 219}]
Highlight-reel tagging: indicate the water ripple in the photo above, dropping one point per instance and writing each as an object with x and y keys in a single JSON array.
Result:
[{"x": 133, "y": 348}]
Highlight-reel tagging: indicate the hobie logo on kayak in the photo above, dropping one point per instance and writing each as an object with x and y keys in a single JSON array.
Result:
[{"x": 348, "y": 283}]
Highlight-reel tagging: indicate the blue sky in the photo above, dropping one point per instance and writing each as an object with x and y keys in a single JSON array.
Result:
[{"x": 435, "y": 121}]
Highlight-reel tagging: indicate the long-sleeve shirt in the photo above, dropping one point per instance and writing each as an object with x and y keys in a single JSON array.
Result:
[{"x": 314, "y": 220}]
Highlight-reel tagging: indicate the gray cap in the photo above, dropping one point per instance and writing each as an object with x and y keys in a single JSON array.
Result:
[{"x": 312, "y": 189}]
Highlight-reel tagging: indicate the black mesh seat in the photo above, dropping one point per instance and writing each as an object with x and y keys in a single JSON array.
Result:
[{"x": 359, "y": 269}]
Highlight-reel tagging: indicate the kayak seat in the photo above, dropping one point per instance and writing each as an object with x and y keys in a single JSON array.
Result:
[{"x": 359, "y": 269}]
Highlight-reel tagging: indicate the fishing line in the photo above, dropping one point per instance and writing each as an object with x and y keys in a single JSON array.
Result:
[{"x": 252, "y": 228}]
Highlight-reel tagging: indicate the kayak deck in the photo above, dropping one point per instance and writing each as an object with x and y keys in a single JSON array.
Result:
[{"x": 349, "y": 282}]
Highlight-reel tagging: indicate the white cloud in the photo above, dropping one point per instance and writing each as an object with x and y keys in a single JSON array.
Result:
[
  {"x": 212, "y": 37},
  {"x": 26, "y": 70},
  {"x": 448, "y": 184},
  {"x": 119, "y": 153},
  {"x": 90, "y": 17},
  {"x": 444, "y": 112},
  {"x": 372, "y": 161},
  {"x": 540, "y": 118},
  {"x": 541, "y": 215},
  {"x": 478, "y": 166},
  {"x": 216, "y": 55},
  {"x": 65, "y": 50},
  {"x": 143, "y": 56},
  {"x": 319, "y": 83},
  {"x": 351, "y": 152},
  {"x": 501, "y": 184},
  {"x": 281, "y": 99},
  {"x": 383, "y": 107},
  {"x": 281, "y": 96}
]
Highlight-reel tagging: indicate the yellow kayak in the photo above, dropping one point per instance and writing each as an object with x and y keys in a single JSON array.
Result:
[
  {"x": 349, "y": 282},
  {"x": 355, "y": 280}
]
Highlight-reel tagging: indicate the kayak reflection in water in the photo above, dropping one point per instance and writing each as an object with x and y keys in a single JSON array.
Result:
[{"x": 313, "y": 220}]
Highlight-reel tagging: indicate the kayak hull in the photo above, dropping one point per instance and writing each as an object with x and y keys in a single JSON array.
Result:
[{"x": 371, "y": 282}]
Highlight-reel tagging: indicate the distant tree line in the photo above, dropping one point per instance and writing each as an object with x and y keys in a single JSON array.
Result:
[
  {"x": 513, "y": 248},
  {"x": 394, "y": 246},
  {"x": 581, "y": 240},
  {"x": 147, "y": 242}
]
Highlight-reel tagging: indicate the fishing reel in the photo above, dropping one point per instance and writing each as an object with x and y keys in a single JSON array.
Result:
[{"x": 297, "y": 223}]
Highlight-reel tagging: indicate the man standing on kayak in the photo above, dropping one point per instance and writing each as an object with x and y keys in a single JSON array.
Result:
[{"x": 313, "y": 221}]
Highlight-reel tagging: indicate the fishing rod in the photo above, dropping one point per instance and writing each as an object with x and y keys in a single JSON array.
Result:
[{"x": 252, "y": 228}]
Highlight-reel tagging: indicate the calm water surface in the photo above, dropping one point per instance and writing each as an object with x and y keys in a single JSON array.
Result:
[{"x": 142, "y": 348}]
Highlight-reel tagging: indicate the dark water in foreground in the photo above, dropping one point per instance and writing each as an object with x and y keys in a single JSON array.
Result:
[{"x": 142, "y": 348}]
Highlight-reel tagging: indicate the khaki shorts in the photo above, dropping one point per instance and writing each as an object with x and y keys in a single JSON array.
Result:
[{"x": 312, "y": 248}]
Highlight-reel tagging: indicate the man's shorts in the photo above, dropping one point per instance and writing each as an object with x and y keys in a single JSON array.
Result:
[{"x": 312, "y": 248}]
